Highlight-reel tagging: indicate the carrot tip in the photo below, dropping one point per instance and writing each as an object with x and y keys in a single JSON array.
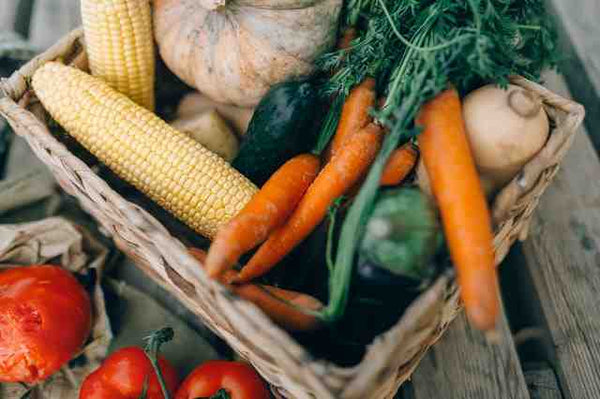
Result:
[
  {"x": 231, "y": 279},
  {"x": 213, "y": 269},
  {"x": 493, "y": 336},
  {"x": 240, "y": 278}
]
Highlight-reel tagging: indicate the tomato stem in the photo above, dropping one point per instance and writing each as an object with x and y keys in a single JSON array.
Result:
[
  {"x": 220, "y": 394},
  {"x": 153, "y": 344},
  {"x": 144, "y": 389}
]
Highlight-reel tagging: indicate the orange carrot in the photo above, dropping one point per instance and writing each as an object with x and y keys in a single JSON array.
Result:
[
  {"x": 337, "y": 177},
  {"x": 355, "y": 114},
  {"x": 399, "y": 165},
  {"x": 465, "y": 215},
  {"x": 282, "y": 306},
  {"x": 267, "y": 210}
]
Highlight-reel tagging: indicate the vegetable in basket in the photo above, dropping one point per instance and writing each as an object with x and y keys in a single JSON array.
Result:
[
  {"x": 210, "y": 130},
  {"x": 131, "y": 373},
  {"x": 401, "y": 234},
  {"x": 45, "y": 318},
  {"x": 291, "y": 310},
  {"x": 234, "y": 52},
  {"x": 280, "y": 128},
  {"x": 219, "y": 379},
  {"x": 395, "y": 264},
  {"x": 195, "y": 103},
  {"x": 266, "y": 211},
  {"x": 355, "y": 114},
  {"x": 399, "y": 165},
  {"x": 506, "y": 129},
  {"x": 463, "y": 208},
  {"x": 189, "y": 181},
  {"x": 338, "y": 176},
  {"x": 120, "y": 46}
]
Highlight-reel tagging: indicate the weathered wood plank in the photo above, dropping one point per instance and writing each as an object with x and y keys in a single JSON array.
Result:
[
  {"x": 542, "y": 383},
  {"x": 52, "y": 19},
  {"x": 463, "y": 365},
  {"x": 15, "y": 16},
  {"x": 580, "y": 36},
  {"x": 8, "y": 12},
  {"x": 23, "y": 18},
  {"x": 563, "y": 261}
]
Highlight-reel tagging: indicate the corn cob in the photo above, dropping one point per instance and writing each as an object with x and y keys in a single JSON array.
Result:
[
  {"x": 192, "y": 183},
  {"x": 120, "y": 46}
]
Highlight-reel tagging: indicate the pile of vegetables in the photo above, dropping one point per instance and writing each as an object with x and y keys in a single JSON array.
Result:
[
  {"x": 319, "y": 144},
  {"x": 418, "y": 59}
]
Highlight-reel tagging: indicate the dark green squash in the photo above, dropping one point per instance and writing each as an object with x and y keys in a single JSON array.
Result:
[
  {"x": 402, "y": 234},
  {"x": 282, "y": 126}
]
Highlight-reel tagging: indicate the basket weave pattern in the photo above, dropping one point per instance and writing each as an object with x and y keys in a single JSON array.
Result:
[{"x": 291, "y": 370}]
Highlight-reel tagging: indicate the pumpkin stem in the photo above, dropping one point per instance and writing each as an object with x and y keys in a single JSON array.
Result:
[
  {"x": 525, "y": 103},
  {"x": 213, "y": 5}
]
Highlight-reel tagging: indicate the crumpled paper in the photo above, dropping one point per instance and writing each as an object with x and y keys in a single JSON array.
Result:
[{"x": 57, "y": 241}]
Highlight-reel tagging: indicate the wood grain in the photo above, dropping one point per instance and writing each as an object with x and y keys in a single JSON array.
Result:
[
  {"x": 542, "y": 383},
  {"x": 563, "y": 261},
  {"x": 8, "y": 12},
  {"x": 580, "y": 53},
  {"x": 52, "y": 19},
  {"x": 464, "y": 366}
]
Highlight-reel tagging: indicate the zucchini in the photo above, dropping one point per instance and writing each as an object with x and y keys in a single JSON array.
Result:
[{"x": 282, "y": 126}]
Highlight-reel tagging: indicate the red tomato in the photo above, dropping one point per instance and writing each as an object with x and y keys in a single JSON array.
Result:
[
  {"x": 238, "y": 379},
  {"x": 45, "y": 318},
  {"x": 122, "y": 376}
]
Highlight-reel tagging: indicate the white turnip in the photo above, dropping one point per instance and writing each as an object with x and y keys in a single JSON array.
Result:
[{"x": 506, "y": 129}]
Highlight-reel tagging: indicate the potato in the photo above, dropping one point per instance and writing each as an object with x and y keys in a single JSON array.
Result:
[
  {"x": 195, "y": 103},
  {"x": 210, "y": 130}
]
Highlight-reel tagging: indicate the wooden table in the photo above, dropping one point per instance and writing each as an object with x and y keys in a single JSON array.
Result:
[{"x": 550, "y": 347}]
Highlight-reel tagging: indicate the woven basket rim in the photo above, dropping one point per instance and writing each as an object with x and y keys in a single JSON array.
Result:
[{"x": 151, "y": 243}]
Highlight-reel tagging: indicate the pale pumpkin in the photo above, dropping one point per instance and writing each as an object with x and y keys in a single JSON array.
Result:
[{"x": 233, "y": 51}]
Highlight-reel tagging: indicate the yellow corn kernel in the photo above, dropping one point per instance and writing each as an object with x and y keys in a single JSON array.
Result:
[
  {"x": 120, "y": 46},
  {"x": 194, "y": 184}
]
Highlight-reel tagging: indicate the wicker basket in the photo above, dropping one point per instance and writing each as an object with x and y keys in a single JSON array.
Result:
[{"x": 291, "y": 370}]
